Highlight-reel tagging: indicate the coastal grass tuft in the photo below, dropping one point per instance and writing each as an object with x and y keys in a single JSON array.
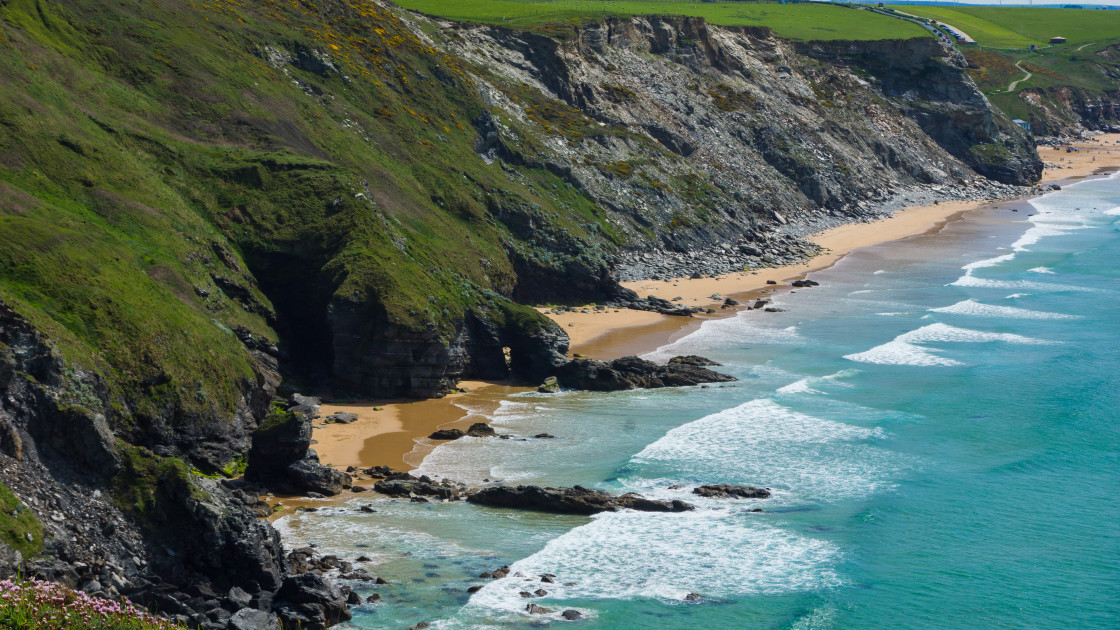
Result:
[{"x": 19, "y": 529}]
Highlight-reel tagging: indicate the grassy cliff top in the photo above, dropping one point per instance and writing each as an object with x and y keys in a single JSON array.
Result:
[
  {"x": 1019, "y": 27},
  {"x": 793, "y": 21}
]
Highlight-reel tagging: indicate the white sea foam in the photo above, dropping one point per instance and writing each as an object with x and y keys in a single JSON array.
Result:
[
  {"x": 1016, "y": 295},
  {"x": 739, "y": 330},
  {"x": 978, "y": 309},
  {"x": 988, "y": 262},
  {"x": 969, "y": 280},
  {"x": 1113, "y": 212},
  {"x": 805, "y": 385},
  {"x": 1041, "y": 270},
  {"x": 625, "y": 555},
  {"x": 762, "y": 442},
  {"x": 904, "y": 349}
]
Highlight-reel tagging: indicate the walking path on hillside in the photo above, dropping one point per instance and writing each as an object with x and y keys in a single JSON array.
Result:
[{"x": 1011, "y": 88}]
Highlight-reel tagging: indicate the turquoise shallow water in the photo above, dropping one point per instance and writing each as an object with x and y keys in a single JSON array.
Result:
[{"x": 940, "y": 422}]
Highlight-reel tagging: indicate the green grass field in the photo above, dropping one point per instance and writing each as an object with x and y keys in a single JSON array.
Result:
[
  {"x": 794, "y": 21},
  {"x": 1018, "y": 27}
]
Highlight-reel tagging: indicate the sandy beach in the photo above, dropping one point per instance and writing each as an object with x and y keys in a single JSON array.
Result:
[{"x": 394, "y": 432}]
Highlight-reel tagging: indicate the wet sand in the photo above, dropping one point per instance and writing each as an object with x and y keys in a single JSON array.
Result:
[{"x": 394, "y": 433}]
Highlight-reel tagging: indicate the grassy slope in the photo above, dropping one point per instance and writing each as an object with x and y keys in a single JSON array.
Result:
[
  {"x": 1018, "y": 27},
  {"x": 142, "y": 152},
  {"x": 793, "y": 21},
  {"x": 1003, "y": 36}
]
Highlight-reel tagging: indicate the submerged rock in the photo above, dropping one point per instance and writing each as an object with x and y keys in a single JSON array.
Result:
[{"x": 575, "y": 500}]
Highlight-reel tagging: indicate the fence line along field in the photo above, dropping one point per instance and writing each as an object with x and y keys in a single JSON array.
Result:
[{"x": 804, "y": 21}]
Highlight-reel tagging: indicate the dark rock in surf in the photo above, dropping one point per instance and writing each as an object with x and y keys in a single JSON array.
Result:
[
  {"x": 634, "y": 373},
  {"x": 726, "y": 491},
  {"x": 575, "y": 500}
]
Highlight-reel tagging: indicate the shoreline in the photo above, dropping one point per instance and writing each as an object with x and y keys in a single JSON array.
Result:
[{"x": 394, "y": 432}]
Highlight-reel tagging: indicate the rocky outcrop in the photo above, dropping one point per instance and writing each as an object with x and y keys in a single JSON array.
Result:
[
  {"x": 122, "y": 520},
  {"x": 575, "y": 500},
  {"x": 726, "y": 491},
  {"x": 282, "y": 458},
  {"x": 634, "y": 373}
]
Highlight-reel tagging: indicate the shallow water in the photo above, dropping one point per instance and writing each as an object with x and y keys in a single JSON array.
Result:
[{"x": 938, "y": 422}]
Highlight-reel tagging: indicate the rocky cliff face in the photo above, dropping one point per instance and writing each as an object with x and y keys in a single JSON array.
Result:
[{"x": 714, "y": 138}]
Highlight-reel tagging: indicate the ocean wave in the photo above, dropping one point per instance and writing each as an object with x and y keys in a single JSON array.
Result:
[
  {"x": 904, "y": 349},
  {"x": 969, "y": 280},
  {"x": 741, "y": 329},
  {"x": 1041, "y": 270},
  {"x": 978, "y": 309},
  {"x": 628, "y": 555}
]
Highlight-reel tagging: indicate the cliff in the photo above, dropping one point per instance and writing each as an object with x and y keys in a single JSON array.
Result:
[{"x": 202, "y": 207}]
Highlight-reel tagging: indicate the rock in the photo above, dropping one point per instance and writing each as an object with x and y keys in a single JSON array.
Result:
[
  {"x": 358, "y": 489},
  {"x": 238, "y": 598},
  {"x": 540, "y": 592},
  {"x": 726, "y": 491},
  {"x": 730, "y": 302},
  {"x": 525, "y": 594},
  {"x": 480, "y": 429},
  {"x": 771, "y": 282},
  {"x": 693, "y": 597},
  {"x": 446, "y": 434},
  {"x": 534, "y": 609},
  {"x": 373, "y": 598},
  {"x": 572, "y": 615},
  {"x": 476, "y": 588},
  {"x": 576, "y": 500},
  {"x": 692, "y": 359},
  {"x": 774, "y": 309},
  {"x": 634, "y": 373},
  {"x": 367, "y": 508},
  {"x": 281, "y": 456},
  {"x": 354, "y": 599},
  {"x": 253, "y": 619},
  {"x": 421, "y": 626},
  {"x": 308, "y": 601},
  {"x": 342, "y": 417},
  {"x": 804, "y": 283},
  {"x": 544, "y": 436},
  {"x": 412, "y": 486},
  {"x": 549, "y": 386}
]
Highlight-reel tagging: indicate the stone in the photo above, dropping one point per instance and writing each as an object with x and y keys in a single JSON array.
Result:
[
  {"x": 373, "y": 598},
  {"x": 253, "y": 619},
  {"x": 572, "y": 615},
  {"x": 446, "y": 434},
  {"x": 727, "y": 491},
  {"x": 480, "y": 429},
  {"x": 693, "y": 597},
  {"x": 342, "y": 417},
  {"x": 534, "y": 609},
  {"x": 549, "y": 386}
]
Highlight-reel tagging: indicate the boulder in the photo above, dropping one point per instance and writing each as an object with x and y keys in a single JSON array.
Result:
[
  {"x": 281, "y": 456},
  {"x": 446, "y": 434},
  {"x": 416, "y": 488},
  {"x": 549, "y": 386},
  {"x": 310, "y": 602},
  {"x": 253, "y": 619},
  {"x": 692, "y": 359},
  {"x": 726, "y": 491},
  {"x": 575, "y": 500},
  {"x": 342, "y": 417},
  {"x": 480, "y": 429},
  {"x": 572, "y": 615}
]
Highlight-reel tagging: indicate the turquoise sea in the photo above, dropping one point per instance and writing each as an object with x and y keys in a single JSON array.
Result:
[{"x": 939, "y": 422}]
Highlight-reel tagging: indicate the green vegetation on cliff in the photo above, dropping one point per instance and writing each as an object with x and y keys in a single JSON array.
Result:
[
  {"x": 19, "y": 529},
  {"x": 804, "y": 21},
  {"x": 1052, "y": 86},
  {"x": 156, "y": 163}
]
